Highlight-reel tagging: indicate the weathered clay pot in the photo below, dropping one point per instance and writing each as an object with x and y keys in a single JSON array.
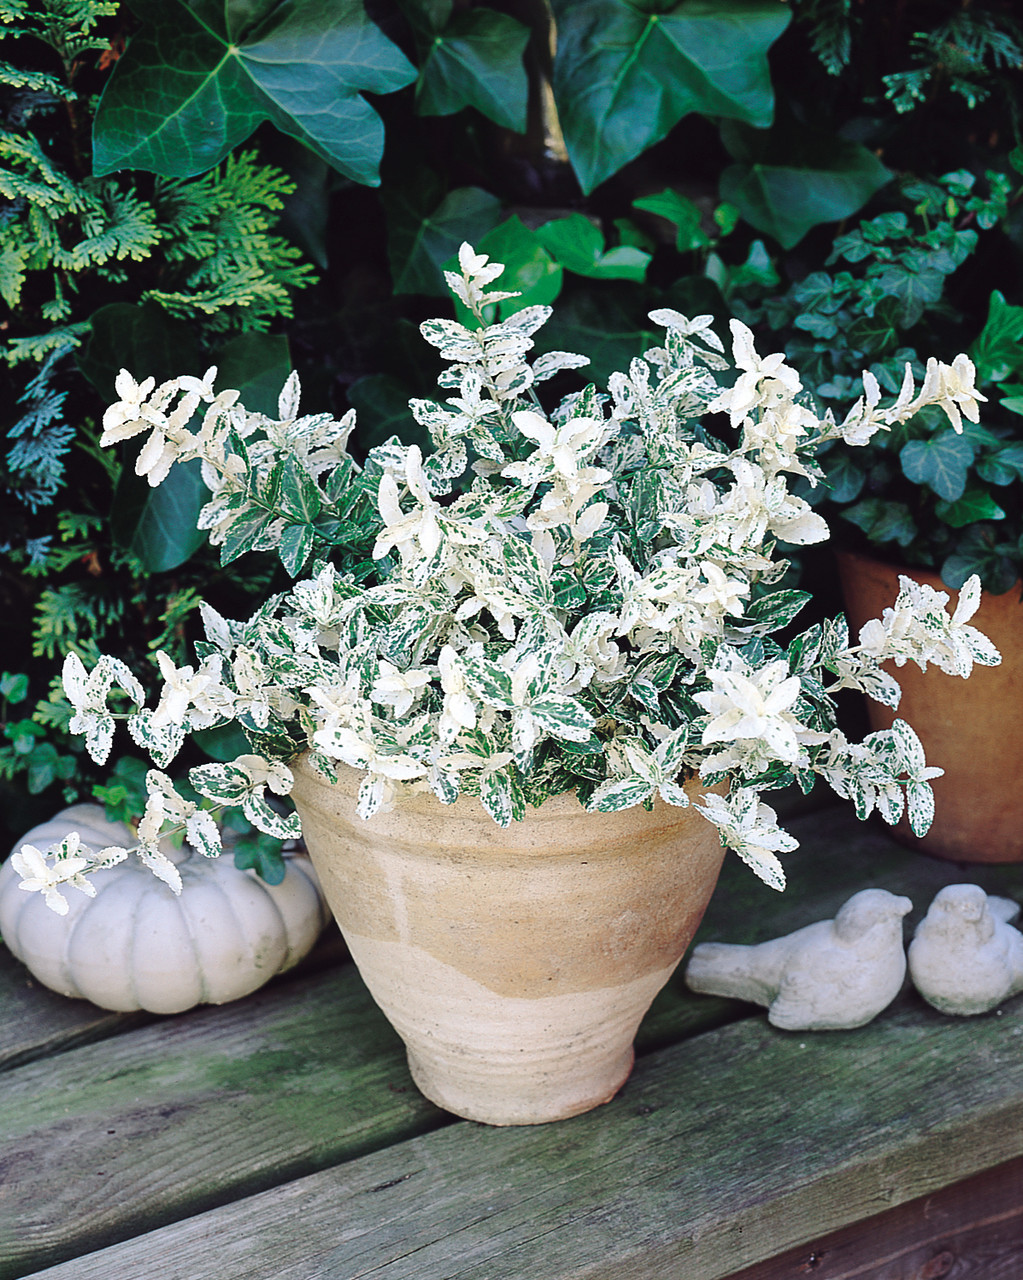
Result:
[
  {"x": 973, "y": 729},
  {"x": 515, "y": 963}
]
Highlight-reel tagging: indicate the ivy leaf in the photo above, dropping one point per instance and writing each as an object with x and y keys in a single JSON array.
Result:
[
  {"x": 624, "y": 77},
  {"x": 974, "y": 505},
  {"x": 912, "y": 287},
  {"x": 941, "y": 463},
  {"x": 883, "y": 521},
  {"x": 579, "y": 246},
  {"x": 611, "y": 322},
  {"x": 680, "y": 210},
  {"x": 201, "y": 75},
  {"x": 425, "y": 229},
  {"x": 790, "y": 179},
  {"x": 876, "y": 334},
  {"x": 608, "y": 323},
  {"x": 528, "y": 268},
  {"x": 381, "y": 405},
  {"x": 997, "y": 350},
  {"x": 1003, "y": 466},
  {"x": 476, "y": 61},
  {"x": 997, "y": 564},
  {"x": 844, "y": 479}
]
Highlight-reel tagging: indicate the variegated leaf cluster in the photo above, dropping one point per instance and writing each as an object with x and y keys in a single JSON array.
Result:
[{"x": 585, "y": 597}]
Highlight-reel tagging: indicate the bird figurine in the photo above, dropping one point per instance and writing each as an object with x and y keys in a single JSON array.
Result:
[
  {"x": 829, "y": 976},
  {"x": 966, "y": 957}
]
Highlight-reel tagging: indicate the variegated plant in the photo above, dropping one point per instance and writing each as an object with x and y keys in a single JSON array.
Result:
[{"x": 574, "y": 598}]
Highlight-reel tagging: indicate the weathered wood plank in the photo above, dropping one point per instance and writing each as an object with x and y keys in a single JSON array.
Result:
[
  {"x": 109, "y": 1139},
  {"x": 972, "y": 1231},
  {"x": 38, "y": 1023},
  {"x": 720, "y": 1153}
]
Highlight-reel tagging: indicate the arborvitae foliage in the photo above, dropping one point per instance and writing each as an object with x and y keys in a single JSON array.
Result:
[{"x": 202, "y": 248}]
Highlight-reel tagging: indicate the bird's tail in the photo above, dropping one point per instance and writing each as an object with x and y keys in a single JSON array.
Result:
[{"x": 725, "y": 969}]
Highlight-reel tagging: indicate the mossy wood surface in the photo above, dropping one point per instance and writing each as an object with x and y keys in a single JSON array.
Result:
[
  {"x": 720, "y": 1152},
  {"x": 144, "y": 1128},
  {"x": 278, "y": 1135}
]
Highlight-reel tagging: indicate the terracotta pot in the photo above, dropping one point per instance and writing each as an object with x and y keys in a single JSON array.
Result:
[
  {"x": 973, "y": 729},
  {"x": 515, "y": 963}
]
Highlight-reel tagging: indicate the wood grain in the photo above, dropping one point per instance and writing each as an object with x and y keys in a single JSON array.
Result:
[
  {"x": 970, "y": 1231},
  {"x": 112, "y": 1138},
  {"x": 720, "y": 1153},
  {"x": 37, "y": 1022}
]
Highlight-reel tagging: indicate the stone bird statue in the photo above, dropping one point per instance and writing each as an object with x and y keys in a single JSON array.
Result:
[
  {"x": 828, "y": 976},
  {"x": 966, "y": 957}
]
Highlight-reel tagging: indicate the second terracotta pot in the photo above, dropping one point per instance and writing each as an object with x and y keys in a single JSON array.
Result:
[
  {"x": 973, "y": 729},
  {"x": 515, "y": 963}
]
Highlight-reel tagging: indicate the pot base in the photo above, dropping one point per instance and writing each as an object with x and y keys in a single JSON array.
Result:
[
  {"x": 505, "y": 1060},
  {"x": 553, "y": 1099}
]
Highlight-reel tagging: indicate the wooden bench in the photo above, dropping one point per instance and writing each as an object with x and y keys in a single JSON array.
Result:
[{"x": 281, "y": 1136}]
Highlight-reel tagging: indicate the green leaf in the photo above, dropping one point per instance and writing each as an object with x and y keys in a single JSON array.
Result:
[
  {"x": 381, "y": 406},
  {"x": 528, "y": 268},
  {"x": 225, "y": 742},
  {"x": 165, "y": 534},
  {"x": 201, "y": 75},
  {"x": 299, "y": 496},
  {"x": 1003, "y": 466},
  {"x": 790, "y": 179},
  {"x": 974, "y": 505},
  {"x": 262, "y": 854},
  {"x": 425, "y": 231},
  {"x": 883, "y": 521},
  {"x": 998, "y": 349},
  {"x": 844, "y": 478},
  {"x": 243, "y": 534},
  {"x": 879, "y": 333},
  {"x": 257, "y": 365},
  {"x": 144, "y": 339},
  {"x": 623, "y": 77},
  {"x": 476, "y": 61},
  {"x": 941, "y": 463},
  {"x": 13, "y": 688},
  {"x": 680, "y": 210},
  {"x": 912, "y": 288},
  {"x": 579, "y": 246},
  {"x": 608, "y": 324},
  {"x": 296, "y": 544}
]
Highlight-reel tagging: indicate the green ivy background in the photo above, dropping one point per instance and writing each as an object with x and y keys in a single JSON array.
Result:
[{"x": 266, "y": 185}]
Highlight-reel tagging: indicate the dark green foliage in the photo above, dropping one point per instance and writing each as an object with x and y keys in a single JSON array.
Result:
[
  {"x": 199, "y": 77},
  {"x": 709, "y": 155},
  {"x": 924, "y": 492}
]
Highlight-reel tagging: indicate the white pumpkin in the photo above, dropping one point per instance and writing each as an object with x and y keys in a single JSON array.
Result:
[{"x": 136, "y": 945}]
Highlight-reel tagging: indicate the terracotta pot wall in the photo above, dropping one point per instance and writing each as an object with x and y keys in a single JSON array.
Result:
[
  {"x": 515, "y": 963},
  {"x": 973, "y": 729}
]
